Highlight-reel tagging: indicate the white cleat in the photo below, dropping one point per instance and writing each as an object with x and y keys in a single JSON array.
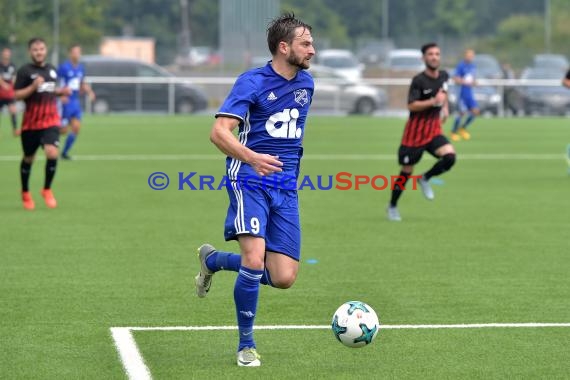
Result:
[
  {"x": 393, "y": 214},
  {"x": 248, "y": 357},
  {"x": 426, "y": 189},
  {"x": 203, "y": 279}
]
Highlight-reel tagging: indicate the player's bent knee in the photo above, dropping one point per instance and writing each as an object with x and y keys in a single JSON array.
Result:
[
  {"x": 284, "y": 280},
  {"x": 448, "y": 160},
  {"x": 253, "y": 262}
]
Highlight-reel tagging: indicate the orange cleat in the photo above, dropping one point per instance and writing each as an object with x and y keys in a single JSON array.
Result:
[
  {"x": 49, "y": 198},
  {"x": 28, "y": 201}
]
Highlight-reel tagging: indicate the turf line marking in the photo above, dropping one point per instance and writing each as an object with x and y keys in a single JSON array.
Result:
[
  {"x": 382, "y": 327},
  {"x": 310, "y": 157},
  {"x": 130, "y": 355},
  {"x": 136, "y": 369}
]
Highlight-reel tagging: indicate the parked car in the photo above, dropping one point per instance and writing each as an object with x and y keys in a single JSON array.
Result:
[
  {"x": 374, "y": 52},
  {"x": 488, "y": 67},
  {"x": 544, "y": 99},
  {"x": 334, "y": 92},
  {"x": 405, "y": 60},
  {"x": 488, "y": 99},
  {"x": 139, "y": 96},
  {"x": 551, "y": 61},
  {"x": 343, "y": 62}
]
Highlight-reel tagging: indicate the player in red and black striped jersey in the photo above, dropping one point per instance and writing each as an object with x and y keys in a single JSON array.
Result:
[
  {"x": 36, "y": 85},
  {"x": 427, "y": 102},
  {"x": 7, "y": 74}
]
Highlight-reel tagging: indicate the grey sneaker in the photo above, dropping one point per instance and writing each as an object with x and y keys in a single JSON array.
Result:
[
  {"x": 248, "y": 357},
  {"x": 393, "y": 214},
  {"x": 426, "y": 188},
  {"x": 203, "y": 279}
]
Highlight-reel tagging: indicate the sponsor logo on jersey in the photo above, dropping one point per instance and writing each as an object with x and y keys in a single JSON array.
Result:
[{"x": 284, "y": 124}]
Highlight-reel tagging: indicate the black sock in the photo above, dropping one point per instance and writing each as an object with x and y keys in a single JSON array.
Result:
[
  {"x": 25, "y": 170},
  {"x": 50, "y": 172},
  {"x": 441, "y": 166},
  {"x": 399, "y": 187},
  {"x": 14, "y": 122}
]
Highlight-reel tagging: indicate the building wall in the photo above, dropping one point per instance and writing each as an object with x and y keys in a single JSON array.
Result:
[{"x": 129, "y": 47}]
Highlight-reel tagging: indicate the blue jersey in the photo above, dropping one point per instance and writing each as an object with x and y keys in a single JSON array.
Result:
[
  {"x": 71, "y": 76},
  {"x": 466, "y": 71},
  {"x": 272, "y": 112}
]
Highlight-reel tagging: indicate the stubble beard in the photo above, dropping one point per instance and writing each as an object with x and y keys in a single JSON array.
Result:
[{"x": 298, "y": 62}]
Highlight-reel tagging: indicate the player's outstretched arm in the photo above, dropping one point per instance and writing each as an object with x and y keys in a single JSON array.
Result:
[
  {"x": 224, "y": 139},
  {"x": 422, "y": 105},
  {"x": 457, "y": 80},
  {"x": 63, "y": 91},
  {"x": 25, "y": 92},
  {"x": 86, "y": 89},
  {"x": 4, "y": 84}
]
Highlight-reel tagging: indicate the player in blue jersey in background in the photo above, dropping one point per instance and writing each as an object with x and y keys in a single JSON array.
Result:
[
  {"x": 270, "y": 106},
  {"x": 465, "y": 75},
  {"x": 72, "y": 75}
]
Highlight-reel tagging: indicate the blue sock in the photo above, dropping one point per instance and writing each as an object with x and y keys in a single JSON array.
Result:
[
  {"x": 469, "y": 120},
  {"x": 266, "y": 278},
  {"x": 219, "y": 260},
  {"x": 246, "y": 292},
  {"x": 69, "y": 142},
  {"x": 223, "y": 261},
  {"x": 456, "y": 124}
]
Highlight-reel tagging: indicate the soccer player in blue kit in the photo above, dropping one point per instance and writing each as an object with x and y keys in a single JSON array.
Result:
[
  {"x": 270, "y": 106},
  {"x": 72, "y": 75},
  {"x": 465, "y": 74}
]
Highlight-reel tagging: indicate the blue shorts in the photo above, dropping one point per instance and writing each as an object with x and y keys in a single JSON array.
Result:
[
  {"x": 269, "y": 213},
  {"x": 467, "y": 103},
  {"x": 71, "y": 110}
]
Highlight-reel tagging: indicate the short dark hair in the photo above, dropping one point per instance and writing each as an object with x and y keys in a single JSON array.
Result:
[
  {"x": 73, "y": 46},
  {"x": 33, "y": 40},
  {"x": 428, "y": 46},
  {"x": 283, "y": 29}
]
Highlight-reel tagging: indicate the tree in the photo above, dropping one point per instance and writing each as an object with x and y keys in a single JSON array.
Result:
[
  {"x": 204, "y": 22},
  {"x": 453, "y": 18},
  {"x": 328, "y": 28},
  {"x": 362, "y": 19},
  {"x": 80, "y": 22}
]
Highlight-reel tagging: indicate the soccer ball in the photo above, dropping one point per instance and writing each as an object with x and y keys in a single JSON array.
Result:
[{"x": 355, "y": 324}]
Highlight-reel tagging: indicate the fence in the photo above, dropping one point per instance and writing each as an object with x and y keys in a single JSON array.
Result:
[{"x": 372, "y": 95}]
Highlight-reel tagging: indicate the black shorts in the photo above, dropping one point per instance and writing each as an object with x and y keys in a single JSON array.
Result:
[
  {"x": 6, "y": 102},
  {"x": 32, "y": 140},
  {"x": 408, "y": 155}
]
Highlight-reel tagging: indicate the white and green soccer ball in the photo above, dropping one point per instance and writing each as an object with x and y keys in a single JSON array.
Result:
[{"x": 355, "y": 324}]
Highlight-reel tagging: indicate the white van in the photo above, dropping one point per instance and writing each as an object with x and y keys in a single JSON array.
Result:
[
  {"x": 405, "y": 60},
  {"x": 343, "y": 62}
]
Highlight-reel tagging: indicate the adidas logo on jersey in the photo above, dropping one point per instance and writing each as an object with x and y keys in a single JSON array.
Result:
[{"x": 271, "y": 96}]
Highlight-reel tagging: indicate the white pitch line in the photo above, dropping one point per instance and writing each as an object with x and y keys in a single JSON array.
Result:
[
  {"x": 130, "y": 356},
  {"x": 382, "y": 327},
  {"x": 310, "y": 157},
  {"x": 136, "y": 369}
]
